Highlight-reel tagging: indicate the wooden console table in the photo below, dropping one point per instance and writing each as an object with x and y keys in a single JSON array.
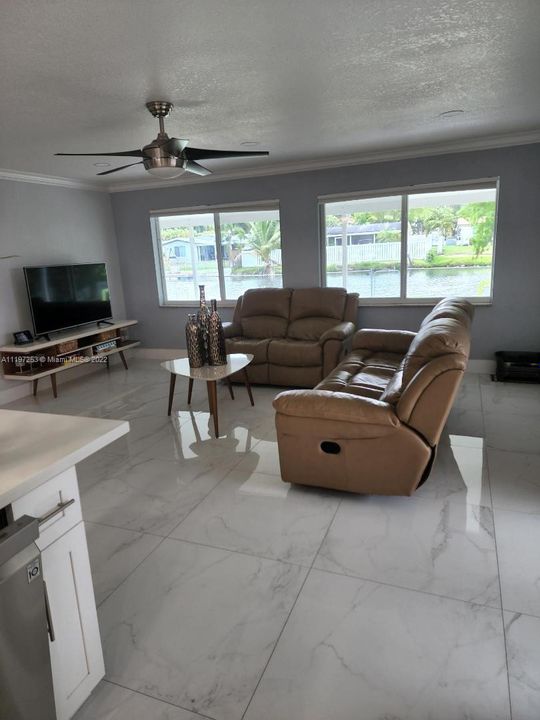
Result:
[{"x": 47, "y": 358}]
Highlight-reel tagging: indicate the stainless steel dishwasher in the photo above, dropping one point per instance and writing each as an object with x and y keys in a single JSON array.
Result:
[{"x": 26, "y": 690}]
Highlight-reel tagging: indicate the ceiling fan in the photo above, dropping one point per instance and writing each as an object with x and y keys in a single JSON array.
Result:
[{"x": 166, "y": 157}]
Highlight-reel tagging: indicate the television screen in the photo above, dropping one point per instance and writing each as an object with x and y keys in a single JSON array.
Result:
[{"x": 63, "y": 296}]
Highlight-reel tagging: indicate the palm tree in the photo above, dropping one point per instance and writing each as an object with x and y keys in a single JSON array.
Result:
[{"x": 263, "y": 237}]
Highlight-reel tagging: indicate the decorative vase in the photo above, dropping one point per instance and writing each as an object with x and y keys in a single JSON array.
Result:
[
  {"x": 217, "y": 354},
  {"x": 203, "y": 318},
  {"x": 194, "y": 342}
]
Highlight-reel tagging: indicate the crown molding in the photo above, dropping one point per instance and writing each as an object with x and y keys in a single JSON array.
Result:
[
  {"x": 412, "y": 151},
  {"x": 27, "y": 177},
  {"x": 488, "y": 142}
]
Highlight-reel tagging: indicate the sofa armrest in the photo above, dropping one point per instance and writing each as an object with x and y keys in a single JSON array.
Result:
[
  {"x": 396, "y": 341},
  {"x": 231, "y": 329},
  {"x": 339, "y": 332},
  {"x": 329, "y": 405}
]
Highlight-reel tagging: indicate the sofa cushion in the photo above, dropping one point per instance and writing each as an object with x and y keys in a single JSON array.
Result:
[
  {"x": 355, "y": 378},
  {"x": 265, "y": 313},
  {"x": 370, "y": 358},
  {"x": 310, "y": 328},
  {"x": 318, "y": 303},
  {"x": 254, "y": 346},
  {"x": 294, "y": 353}
]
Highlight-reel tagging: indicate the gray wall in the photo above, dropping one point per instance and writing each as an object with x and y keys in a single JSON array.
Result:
[
  {"x": 47, "y": 225},
  {"x": 511, "y": 322}
]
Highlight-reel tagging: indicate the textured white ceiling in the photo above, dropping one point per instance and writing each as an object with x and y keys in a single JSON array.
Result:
[{"x": 307, "y": 79}]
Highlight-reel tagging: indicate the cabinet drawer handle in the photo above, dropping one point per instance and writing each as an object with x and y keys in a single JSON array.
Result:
[{"x": 55, "y": 511}]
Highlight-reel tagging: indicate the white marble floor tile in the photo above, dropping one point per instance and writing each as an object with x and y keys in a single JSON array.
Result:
[
  {"x": 111, "y": 702},
  {"x": 114, "y": 554},
  {"x": 513, "y": 398},
  {"x": 459, "y": 473},
  {"x": 267, "y": 458},
  {"x": 518, "y": 540},
  {"x": 354, "y": 649},
  {"x": 98, "y": 467},
  {"x": 149, "y": 495},
  {"x": 468, "y": 396},
  {"x": 462, "y": 421},
  {"x": 259, "y": 514},
  {"x": 523, "y": 650},
  {"x": 440, "y": 547},
  {"x": 517, "y": 433},
  {"x": 195, "y": 626},
  {"x": 191, "y": 438},
  {"x": 514, "y": 480}
]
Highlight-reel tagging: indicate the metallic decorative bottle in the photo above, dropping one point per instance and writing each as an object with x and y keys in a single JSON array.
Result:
[
  {"x": 203, "y": 318},
  {"x": 194, "y": 342},
  {"x": 217, "y": 354}
]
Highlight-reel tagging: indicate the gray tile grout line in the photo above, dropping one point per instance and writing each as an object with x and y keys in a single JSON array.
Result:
[
  {"x": 165, "y": 702},
  {"x": 498, "y": 570},
  {"x": 290, "y": 613}
]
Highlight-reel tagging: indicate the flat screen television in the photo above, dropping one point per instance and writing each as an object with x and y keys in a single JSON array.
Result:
[{"x": 64, "y": 296}]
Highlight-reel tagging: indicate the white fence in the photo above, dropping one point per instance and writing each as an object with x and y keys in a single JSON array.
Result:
[{"x": 418, "y": 248}]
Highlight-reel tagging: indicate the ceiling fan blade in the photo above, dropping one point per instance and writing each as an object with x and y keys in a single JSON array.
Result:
[
  {"x": 200, "y": 154},
  {"x": 195, "y": 168},
  {"x": 123, "y": 153},
  {"x": 174, "y": 146},
  {"x": 122, "y": 167}
]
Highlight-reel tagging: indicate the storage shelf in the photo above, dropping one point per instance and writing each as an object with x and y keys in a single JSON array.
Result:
[
  {"x": 34, "y": 347},
  {"x": 86, "y": 347}
]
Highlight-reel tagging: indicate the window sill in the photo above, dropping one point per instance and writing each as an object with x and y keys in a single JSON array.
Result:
[
  {"x": 413, "y": 302},
  {"x": 195, "y": 304}
]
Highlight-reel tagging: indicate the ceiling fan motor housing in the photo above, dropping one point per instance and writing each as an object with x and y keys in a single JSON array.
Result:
[{"x": 159, "y": 108}]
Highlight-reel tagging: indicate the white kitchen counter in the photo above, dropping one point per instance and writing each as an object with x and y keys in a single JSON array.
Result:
[{"x": 34, "y": 447}]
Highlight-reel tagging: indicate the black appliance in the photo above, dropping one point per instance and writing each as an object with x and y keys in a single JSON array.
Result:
[
  {"x": 520, "y": 366},
  {"x": 26, "y": 687},
  {"x": 64, "y": 296}
]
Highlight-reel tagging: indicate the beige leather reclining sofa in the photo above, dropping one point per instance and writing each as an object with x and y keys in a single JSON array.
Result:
[
  {"x": 296, "y": 336},
  {"x": 373, "y": 424}
]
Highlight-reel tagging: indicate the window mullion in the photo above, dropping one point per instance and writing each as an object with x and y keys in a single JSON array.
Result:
[
  {"x": 219, "y": 255},
  {"x": 404, "y": 238}
]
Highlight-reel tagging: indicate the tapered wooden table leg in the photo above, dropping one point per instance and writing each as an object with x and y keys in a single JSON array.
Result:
[
  {"x": 171, "y": 392},
  {"x": 53, "y": 383},
  {"x": 248, "y": 386},
  {"x": 123, "y": 359},
  {"x": 34, "y": 387},
  {"x": 190, "y": 390},
  {"x": 211, "y": 386},
  {"x": 229, "y": 383}
]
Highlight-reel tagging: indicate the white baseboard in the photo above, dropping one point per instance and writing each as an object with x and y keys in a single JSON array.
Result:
[{"x": 481, "y": 367}]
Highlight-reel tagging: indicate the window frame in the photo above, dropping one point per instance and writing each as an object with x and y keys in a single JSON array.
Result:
[
  {"x": 214, "y": 211},
  {"x": 404, "y": 192}
]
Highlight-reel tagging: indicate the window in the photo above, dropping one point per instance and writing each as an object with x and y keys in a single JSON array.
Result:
[
  {"x": 226, "y": 250},
  {"x": 422, "y": 245}
]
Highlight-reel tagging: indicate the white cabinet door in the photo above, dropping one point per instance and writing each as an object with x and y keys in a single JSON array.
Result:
[{"x": 76, "y": 655}]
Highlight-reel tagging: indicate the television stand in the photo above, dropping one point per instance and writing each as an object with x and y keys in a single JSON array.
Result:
[
  {"x": 41, "y": 359},
  {"x": 43, "y": 335},
  {"x": 104, "y": 322}
]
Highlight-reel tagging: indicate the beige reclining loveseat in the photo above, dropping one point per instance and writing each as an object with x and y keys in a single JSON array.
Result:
[
  {"x": 296, "y": 336},
  {"x": 373, "y": 424}
]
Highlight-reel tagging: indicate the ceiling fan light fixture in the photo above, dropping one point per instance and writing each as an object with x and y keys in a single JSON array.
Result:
[
  {"x": 165, "y": 172},
  {"x": 164, "y": 167}
]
